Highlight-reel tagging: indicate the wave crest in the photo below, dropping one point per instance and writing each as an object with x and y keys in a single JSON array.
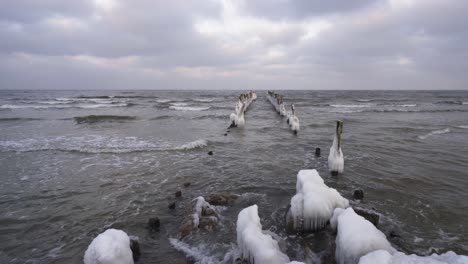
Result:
[
  {"x": 435, "y": 132},
  {"x": 91, "y": 119}
]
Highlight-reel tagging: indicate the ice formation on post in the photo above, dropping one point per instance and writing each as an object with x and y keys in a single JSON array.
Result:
[
  {"x": 255, "y": 246},
  {"x": 109, "y": 247},
  {"x": 356, "y": 237},
  {"x": 245, "y": 99},
  {"x": 314, "y": 202},
  {"x": 383, "y": 257},
  {"x": 335, "y": 158}
]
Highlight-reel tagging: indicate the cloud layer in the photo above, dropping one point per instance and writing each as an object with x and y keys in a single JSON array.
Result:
[{"x": 221, "y": 44}]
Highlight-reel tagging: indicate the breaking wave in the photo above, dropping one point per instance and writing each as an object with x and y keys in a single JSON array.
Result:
[
  {"x": 62, "y": 106},
  {"x": 350, "y": 105},
  {"x": 188, "y": 108},
  {"x": 95, "y": 144},
  {"x": 435, "y": 132},
  {"x": 90, "y": 119},
  {"x": 194, "y": 145}
]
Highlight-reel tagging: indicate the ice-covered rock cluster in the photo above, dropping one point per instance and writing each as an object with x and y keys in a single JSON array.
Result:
[
  {"x": 237, "y": 118},
  {"x": 314, "y": 202},
  {"x": 202, "y": 214},
  {"x": 277, "y": 101},
  {"x": 256, "y": 246}
]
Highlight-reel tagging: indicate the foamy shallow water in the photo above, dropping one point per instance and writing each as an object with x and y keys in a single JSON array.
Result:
[{"x": 65, "y": 179}]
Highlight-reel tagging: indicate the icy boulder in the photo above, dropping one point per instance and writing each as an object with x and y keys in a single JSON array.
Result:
[
  {"x": 383, "y": 257},
  {"x": 255, "y": 246},
  {"x": 202, "y": 214},
  {"x": 314, "y": 202},
  {"x": 109, "y": 247},
  {"x": 356, "y": 237}
]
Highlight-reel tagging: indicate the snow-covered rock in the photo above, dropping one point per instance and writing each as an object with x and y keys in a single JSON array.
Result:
[
  {"x": 356, "y": 237},
  {"x": 255, "y": 246},
  {"x": 110, "y": 247},
  {"x": 314, "y": 202}
]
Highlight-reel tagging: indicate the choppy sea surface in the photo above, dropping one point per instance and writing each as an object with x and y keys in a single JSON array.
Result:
[{"x": 73, "y": 163}]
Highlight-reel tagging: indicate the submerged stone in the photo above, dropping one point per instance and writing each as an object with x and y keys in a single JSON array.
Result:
[
  {"x": 358, "y": 194},
  {"x": 154, "y": 223},
  {"x": 171, "y": 205},
  {"x": 221, "y": 198},
  {"x": 178, "y": 193}
]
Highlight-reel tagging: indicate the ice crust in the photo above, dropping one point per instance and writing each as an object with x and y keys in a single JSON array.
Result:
[
  {"x": 356, "y": 237},
  {"x": 314, "y": 203},
  {"x": 110, "y": 247}
]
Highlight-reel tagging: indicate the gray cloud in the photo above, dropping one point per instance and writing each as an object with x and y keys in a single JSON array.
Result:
[{"x": 111, "y": 44}]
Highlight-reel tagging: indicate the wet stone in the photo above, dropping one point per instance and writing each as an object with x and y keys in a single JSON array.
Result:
[
  {"x": 171, "y": 205},
  {"x": 154, "y": 223},
  {"x": 317, "y": 152},
  {"x": 135, "y": 247},
  {"x": 358, "y": 194},
  {"x": 210, "y": 153},
  {"x": 221, "y": 198},
  {"x": 186, "y": 184},
  {"x": 178, "y": 193}
]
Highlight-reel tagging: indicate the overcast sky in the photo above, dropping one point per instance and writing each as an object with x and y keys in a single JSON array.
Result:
[{"x": 234, "y": 44}]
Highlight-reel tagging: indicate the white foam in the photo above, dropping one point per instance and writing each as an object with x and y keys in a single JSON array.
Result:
[
  {"x": 203, "y": 100},
  {"x": 179, "y": 104},
  {"x": 198, "y": 253},
  {"x": 384, "y": 257},
  {"x": 464, "y": 127},
  {"x": 314, "y": 203},
  {"x": 110, "y": 247},
  {"x": 194, "y": 144},
  {"x": 435, "y": 132},
  {"x": 188, "y": 108},
  {"x": 254, "y": 245},
  {"x": 356, "y": 237},
  {"x": 163, "y": 101}
]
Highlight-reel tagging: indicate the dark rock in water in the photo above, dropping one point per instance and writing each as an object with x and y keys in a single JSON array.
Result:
[
  {"x": 135, "y": 247},
  {"x": 178, "y": 193},
  {"x": 221, "y": 198},
  {"x": 295, "y": 132},
  {"x": 187, "y": 184},
  {"x": 393, "y": 234},
  {"x": 171, "y": 205},
  {"x": 225, "y": 134},
  {"x": 153, "y": 223},
  {"x": 334, "y": 173},
  {"x": 371, "y": 216},
  {"x": 210, "y": 152},
  {"x": 358, "y": 194},
  {"x": 317, "y": 152}
]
